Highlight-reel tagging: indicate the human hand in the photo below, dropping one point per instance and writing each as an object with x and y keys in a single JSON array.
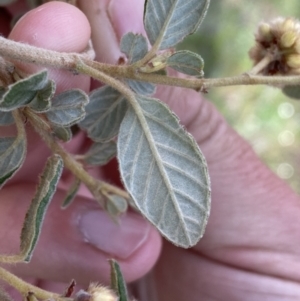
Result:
[
  {"x": 248, "y": 251},
  {"x": 77, "y": 242}
]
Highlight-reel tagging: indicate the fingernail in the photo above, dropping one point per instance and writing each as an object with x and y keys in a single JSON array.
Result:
[{"x": 117, "y": 240}]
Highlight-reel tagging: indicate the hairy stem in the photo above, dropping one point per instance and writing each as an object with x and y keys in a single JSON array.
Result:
[
  {"x": 24, "y": 288},
  {"x": 40, "y": 56},
  {"x": 94, "y": 185}
]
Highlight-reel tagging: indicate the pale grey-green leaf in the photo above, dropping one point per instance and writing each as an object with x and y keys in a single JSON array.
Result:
[
  {"x": 167, "y": 22},
  {"x": 292, "y": 92},
  {"x": 42, "y": 100},
  {"x": 100, "y": 153},
  {"x": 187, "y": 62},
  {"x": 12, "y": 155},
  {"x": 23, "y": 92},
  {"x": 6, "y": 118},
  {"x": 117, "y": 281},
  {"x": 142, "y": 88},
  {"x": 68, "y": 108},
  {"x": 116, "y": 205},
  {"x": 71, "y": 193},
  {"x": 165, "y": 172},
  {"x": 38, "y": 207},
  {"x": 135, "y": 46},
  {"x": 104, "y": 114},
  {"x": 62, "y": 133}
]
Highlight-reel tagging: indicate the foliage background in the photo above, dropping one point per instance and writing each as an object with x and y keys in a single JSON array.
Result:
[{"x": 269, "y": 120}]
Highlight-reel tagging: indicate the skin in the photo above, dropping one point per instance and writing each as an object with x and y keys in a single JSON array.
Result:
[{"x": 250, "y": 249}]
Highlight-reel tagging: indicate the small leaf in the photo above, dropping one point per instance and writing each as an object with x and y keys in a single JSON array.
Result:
[
  {"x": 67, "y": 108},
  {"x": 6, "y": 118},
  {"x": 42, "y": 101},
  {"x": 104, "y": 114},
  {"x": 23, "y": 92},
  {"x": 36, "y": 212},
  {"x": 142, "y": 88},
  {"x": 135, "y": 46},
  {"x": 116, "y": 205},
  {"x": 117, "y": 280},
  {"x": 187, "y": 62},
  {"x": 71, "y": 193},
  {"x": 12, "y": 155},
  {"x": 100, "y": 153},
  {"x": 164, "y": 171},
  {"x": 292, "y": 92},
  {"x": 62, "y": 133},
  {"x": 167, "y": 22}
]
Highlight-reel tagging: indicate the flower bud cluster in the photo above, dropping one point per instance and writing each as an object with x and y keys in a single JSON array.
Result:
[{"x": 279, "y": 39}]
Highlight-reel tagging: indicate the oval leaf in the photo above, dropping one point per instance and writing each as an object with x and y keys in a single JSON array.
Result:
[
  {"x": 42, "y": 100},
  {"x": 62, "y": 133},
  {"x": 292, "y": 92},
  {"x": 23, "y": 92},
  {"x": 6, "y": 118},
  {"x": 142, "y": 88},
  {"x": 164, "y": 171},
  {"x": 104, "y": 114},
  {"x": 68, "y": 108},
  {"x": 167, "y": 22},
  {"x": 135, "y": 46},
  {"x": 187, "y": 62},
  {"x": 36, "y": 212},
  {"x": 12, "y": 155},
  {"x": 100, "y": 153}
]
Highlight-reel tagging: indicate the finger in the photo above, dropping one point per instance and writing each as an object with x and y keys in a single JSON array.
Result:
[
  {"x": 57, "y": 26},
  {"x": 76, "y": 243},
  {"x": 64, "y": 28},
  {"x": 110, "y": 20},
  {"x": 252, "y": 210}
]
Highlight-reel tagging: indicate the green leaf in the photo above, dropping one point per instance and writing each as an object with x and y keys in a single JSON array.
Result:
[
  {"x": 187, "y": 62},
  {"x": 165, "y": 172},
  {"x": 42, "y": 101},
  {"x": 12, "y": 155},
  {"x": 292, "y": 92},
  {"x": 36, "y": 212},
  {"x": 6, "y": 118},
  {"x": 142, "y": 88},
  {"x": 68, "y": 108},
  {"x": 115, "y": 205},
  {"x": 71, "y": 193},
  {"x": 167, "y": 22},
  {"x": 135, "y": 46},
  {"x": 104, "y": 114},
  {"x": 62, "y": 133},
  {"x": 117, "y": 280},
  {"x": 100, "y": 153},
  {"x": 23, "y": 92}
]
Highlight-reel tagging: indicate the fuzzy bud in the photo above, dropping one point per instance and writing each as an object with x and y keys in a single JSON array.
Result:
[
  {"x": 288, "y": 38},
  {"x": 293, "y": 60}
]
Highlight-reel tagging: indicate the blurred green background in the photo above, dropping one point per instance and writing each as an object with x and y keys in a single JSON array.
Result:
[{"x": 269, "y": 120}]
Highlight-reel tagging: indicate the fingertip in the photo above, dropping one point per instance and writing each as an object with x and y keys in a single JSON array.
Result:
[{"x": 56, "y": 26}]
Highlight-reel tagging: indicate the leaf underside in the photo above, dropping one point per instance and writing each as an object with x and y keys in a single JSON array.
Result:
[
  {"x": 12, "y": 154},
  {"x": 100, "y": 153},
  {"x": 104, "y": 114},
  {"x": 165, "y": 172},
  {"x": 24, "y": 91},
  {"x": 67, "y": 108},
  {"x": 38, "y": 207},
  {"x": 167, "y": 22}
]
